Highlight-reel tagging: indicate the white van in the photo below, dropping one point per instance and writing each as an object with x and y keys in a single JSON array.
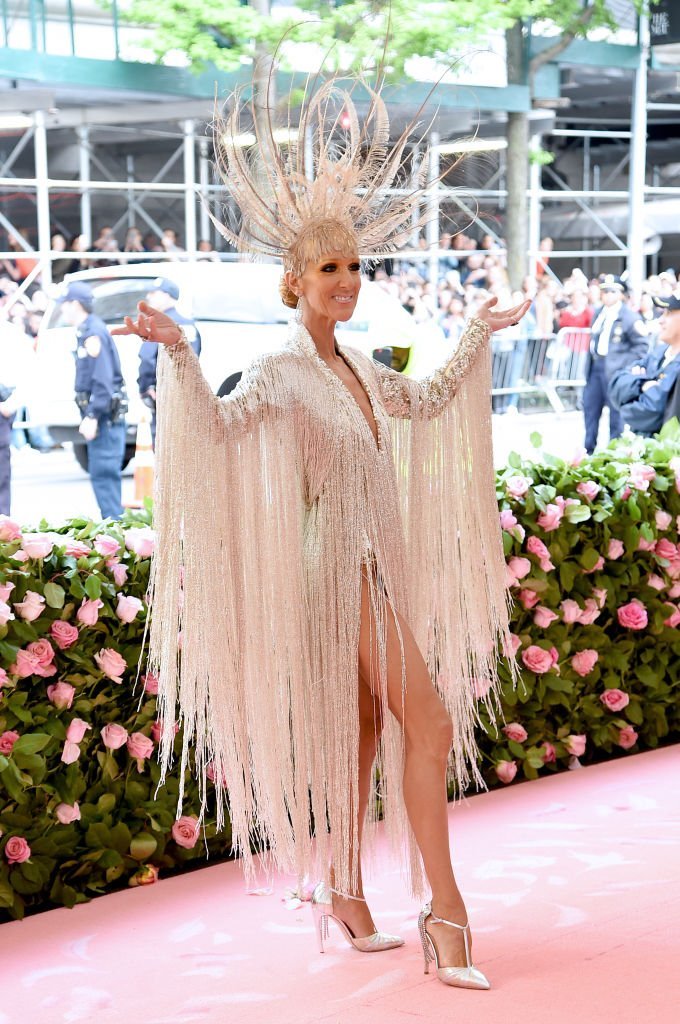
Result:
[{"x": 238, "y": 312}]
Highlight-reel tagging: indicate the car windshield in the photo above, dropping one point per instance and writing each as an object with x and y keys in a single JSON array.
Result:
[{"x": 113, "y": 299}]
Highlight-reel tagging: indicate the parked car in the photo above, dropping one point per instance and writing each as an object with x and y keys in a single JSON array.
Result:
[{"x": 238, "y": 312}]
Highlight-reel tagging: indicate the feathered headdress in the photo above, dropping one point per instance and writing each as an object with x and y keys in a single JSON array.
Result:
[{"x": 328, "y": 187}]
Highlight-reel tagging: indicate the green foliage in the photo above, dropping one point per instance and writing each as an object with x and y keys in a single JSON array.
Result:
[
  {"x": 124, "y": 833},
  {"x": 637, "y": 507}
]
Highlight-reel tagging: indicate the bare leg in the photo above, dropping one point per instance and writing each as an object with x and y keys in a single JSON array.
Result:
[
  {"x": 356, "y": 915},
  {"x": 428, "y": 736}
]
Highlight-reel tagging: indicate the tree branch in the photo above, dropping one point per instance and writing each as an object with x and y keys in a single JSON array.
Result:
[{"x": 563, "y": 42}]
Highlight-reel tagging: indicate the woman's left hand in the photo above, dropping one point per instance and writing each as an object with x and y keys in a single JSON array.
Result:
[{"x": 498, "y": 320}]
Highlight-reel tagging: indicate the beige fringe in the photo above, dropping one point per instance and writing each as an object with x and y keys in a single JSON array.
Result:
[{"x": 268, "y": 505}]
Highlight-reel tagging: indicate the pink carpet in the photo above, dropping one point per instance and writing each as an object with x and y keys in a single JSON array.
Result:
[{"x": 572, "y": 884}]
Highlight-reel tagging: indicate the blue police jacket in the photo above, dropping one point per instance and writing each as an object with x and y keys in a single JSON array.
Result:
[
  {"x": 644, "y": 411},
  {"x": 148, "y": 351},
  {"x": 98, "y": 372},
  {"x": 627, "y": 341}
]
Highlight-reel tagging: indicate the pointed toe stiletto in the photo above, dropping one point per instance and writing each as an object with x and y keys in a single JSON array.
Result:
[
  {"x": 459, "y": 977},
  {"x": 322, "y": 910}
]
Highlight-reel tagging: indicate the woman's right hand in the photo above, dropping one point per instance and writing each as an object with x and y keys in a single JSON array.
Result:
[{"x": 151, "y": 325}]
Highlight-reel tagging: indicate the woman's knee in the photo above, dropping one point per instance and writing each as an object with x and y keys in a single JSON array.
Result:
[{"x": 433, "y": 738}]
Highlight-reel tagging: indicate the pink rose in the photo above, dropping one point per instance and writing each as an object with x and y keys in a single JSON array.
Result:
[
  {"x": 157, "y": 730},
  {"x": 7, "y": 588},
  {"x": 674, "y": 592},
  {"x": 528, "y": 598},
  {"x": 32, "y": 606},
  {"x": 185, "y": 831},
  {"x": 548, "y": 753},
  {"x": 655, "y": 582},
  {"x": 588, "y": 489},
  {"x": 111, "y": 663},
  {"x": 641, "y": 475},
  {"x": 139, "y": 745},
  {"x": 538, "y": 660},
  {"x": 627, "y": 737},
  {"x": 114, "y": 736},
  {"x": 141, "y": 540},
  {"x": 6, "y": 614},
  {"x": 511, "y": 647},
  {"x": 571, "y": 610},
  {"x": 7, "y": 741},
  {"x": 584, "y": 662},
  {"x": 88, "y": 613},
  {"x": 517, "y": 485},
  {"x": 63, "y": 634},
  {"x": 150, "y": 683},
  {"x": 17, "y": 850},
  {"x": 538, "y": 548},
  {"x": 508, "y": 519},
  {"x": 615, "y": 700},
  {"x": 578, "y": 457},
  {"x": 519, "y": 567},
  {"x": 663, "y": 548},
  {"x": 9, "y": 530},
  {"x": 76, "y": 730},
  {"x": 43, "y": 651},
  {"x": 515, "y": 731},
  {"x": 576, "y": 744},
  {"x": 128, "y": 607},
  {"x": 146, "y": 875},
  {"x": 28, "y": 664},
  {"x": 590, "y": 612},
  {"x": 662, "y": 519},
  {"x": 76, "y": 548},
  {"x": 70, "y": 753},
  {"x": 37, "y": 545},
  {"x": 4, "y": 679},
  {"x": 61, "y": 695},
  {"x": 551, "y": 518},
  {"x": 119, "y": 573},
  {"x": 673, "y": 619},
  {"x": 481, "y": 686},
  {"x": 506, "y": 770},
  {"x": 646, "y": 545},
  {"x": 19, "y": 556},
  {"x": 66, "y": 813},
  {"x": 106, "y": 545},
  {"x": 543, "y": 617},
  {"x": 632, "y": 615},
  {"x": 600, "y": 595},
  {"x": 615, "y": 549}
]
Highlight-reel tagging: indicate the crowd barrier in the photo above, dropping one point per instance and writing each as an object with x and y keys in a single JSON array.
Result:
[{"x": 554, "y": 367}]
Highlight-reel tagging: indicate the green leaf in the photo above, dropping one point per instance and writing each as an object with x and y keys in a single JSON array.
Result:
[
  {"x": 31, "y": 743},
  {"x": 143, "y": 846},
  {"x": 76, "y": 588},
  {"x": 634, "y": 713},
  {"x": 589, "y": 558},
  {"x": 54, "y": 595},
  {"x": 633, "y": 510},
  {"x": 577, "y": 513},
  {"x": 93, "y": 587},
  {"x": 535, "y": 439},
  {"x": 515, "y": 460},
  {"x": 568, "y": 572}
]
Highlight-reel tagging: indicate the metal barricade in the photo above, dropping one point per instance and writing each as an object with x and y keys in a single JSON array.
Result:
[{"x": 539, "y": 366}]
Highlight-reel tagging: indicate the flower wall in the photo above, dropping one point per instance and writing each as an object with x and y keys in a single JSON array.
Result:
[{"x": 593, "y": 563}]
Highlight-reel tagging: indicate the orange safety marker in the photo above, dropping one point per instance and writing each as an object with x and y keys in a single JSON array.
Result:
[{"x": 143, "y": 463}]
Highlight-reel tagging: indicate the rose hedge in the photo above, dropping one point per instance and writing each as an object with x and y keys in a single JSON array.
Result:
[{"x": 593, "y": 562}]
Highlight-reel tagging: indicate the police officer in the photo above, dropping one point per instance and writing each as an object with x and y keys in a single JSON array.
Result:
[
  {"x": 100, "y": 396},
  {"x": 646, "y": 392},
  {"x": 162, "y": 295},
  {"x": 618, "y": 340}
]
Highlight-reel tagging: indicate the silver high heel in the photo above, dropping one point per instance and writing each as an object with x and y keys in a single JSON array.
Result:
[
  {"x": 322, "y": 909},
  {"x": 460, "y": 977}
]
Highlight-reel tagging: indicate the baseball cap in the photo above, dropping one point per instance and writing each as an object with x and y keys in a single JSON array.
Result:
[
  {"x": 672, "y": 303},
  {"x": 164, "y": 284},
  {"x": 78, "y": 291},
  {"x": 612, "y": 283}
]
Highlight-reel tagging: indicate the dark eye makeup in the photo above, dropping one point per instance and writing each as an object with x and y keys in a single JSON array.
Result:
[{"x": 330, "y": 268}]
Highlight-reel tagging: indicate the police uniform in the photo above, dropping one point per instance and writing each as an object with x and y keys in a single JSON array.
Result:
[
  {"x": 618, "y": 340},
  {"x": 148, "y": 351},
  {"x": 100, "y": 395},
  {"x": 645, "y": 411}
]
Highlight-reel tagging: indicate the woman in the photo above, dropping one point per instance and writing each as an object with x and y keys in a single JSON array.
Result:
[{"x": 301, "y": 613}]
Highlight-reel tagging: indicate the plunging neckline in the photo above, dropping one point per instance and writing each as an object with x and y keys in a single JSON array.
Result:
[{"x": 339, "y": 382}]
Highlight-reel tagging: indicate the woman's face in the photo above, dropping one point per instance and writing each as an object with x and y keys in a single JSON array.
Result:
[{"x": 330, "y": 288}]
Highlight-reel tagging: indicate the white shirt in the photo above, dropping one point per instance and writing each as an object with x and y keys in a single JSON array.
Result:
[{"x": 605, "y": 322}]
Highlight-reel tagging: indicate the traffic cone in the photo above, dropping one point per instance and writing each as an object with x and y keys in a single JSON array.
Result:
[{"x": 143, "y": 462}]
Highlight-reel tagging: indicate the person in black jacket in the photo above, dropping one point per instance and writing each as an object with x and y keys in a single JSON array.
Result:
[
  {"x": 646, "y": 393},
  {"x": 618, "y": 340},
  {"x": 100, "y": 396},
  {"x": 162, "y": 295}
]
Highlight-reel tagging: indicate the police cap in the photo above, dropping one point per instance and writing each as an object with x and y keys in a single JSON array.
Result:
[
  {"x": 78, "y": 291},
  {"x": 611, "y": 283},
  {"x": 672, "y": 303},
  {"x": 164, "y": 284}
]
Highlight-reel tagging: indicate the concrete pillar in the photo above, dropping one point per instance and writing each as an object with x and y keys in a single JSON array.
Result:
[{"x": 42, "y": 195}]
